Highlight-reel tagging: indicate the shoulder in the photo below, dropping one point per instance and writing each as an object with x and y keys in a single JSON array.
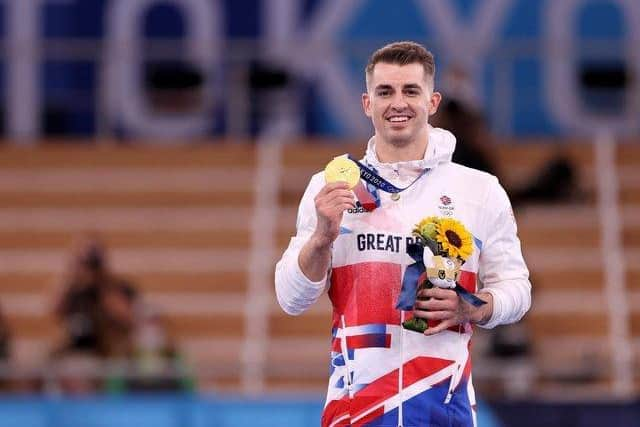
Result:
[
  {"x": 477, "y": 187},
  {"x": 315, "y": 184},
  {"x": 317, "y": 179},
  {"x": 469, "y": 173},
  {"x": 474, "y": 180}
]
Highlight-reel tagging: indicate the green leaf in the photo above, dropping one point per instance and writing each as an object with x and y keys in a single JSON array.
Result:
[{"x": 415, "y": 324}]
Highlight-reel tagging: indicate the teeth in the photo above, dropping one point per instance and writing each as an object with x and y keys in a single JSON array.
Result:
[{"x": 398, "y": 119}]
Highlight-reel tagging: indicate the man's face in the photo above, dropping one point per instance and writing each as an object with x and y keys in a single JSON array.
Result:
[{"x": 399, "y": 102}]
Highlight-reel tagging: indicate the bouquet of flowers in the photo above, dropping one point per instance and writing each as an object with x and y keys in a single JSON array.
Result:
[{"x": 442, "y": 247}]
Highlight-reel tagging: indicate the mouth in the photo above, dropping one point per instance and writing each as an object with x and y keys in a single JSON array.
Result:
[{"x": 398, "y": 119}]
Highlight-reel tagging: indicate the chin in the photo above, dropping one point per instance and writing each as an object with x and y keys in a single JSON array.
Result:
[{"x": 399, "y": 139}]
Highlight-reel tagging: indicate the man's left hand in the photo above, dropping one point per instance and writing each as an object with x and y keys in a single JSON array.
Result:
[{"x": 445, "y": 305}]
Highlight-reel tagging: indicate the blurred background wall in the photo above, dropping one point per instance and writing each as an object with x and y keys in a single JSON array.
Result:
[
  {"x": 103, "y": 67},
  {"x": 153, "y": 154}
]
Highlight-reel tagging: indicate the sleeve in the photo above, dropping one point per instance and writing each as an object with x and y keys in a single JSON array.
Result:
[
  {"x": 502, "y": 270},
  {"x": 294, "y": 291}
]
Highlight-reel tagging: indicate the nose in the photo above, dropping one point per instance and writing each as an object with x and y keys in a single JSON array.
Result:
[{"x": 398, "y": 102}]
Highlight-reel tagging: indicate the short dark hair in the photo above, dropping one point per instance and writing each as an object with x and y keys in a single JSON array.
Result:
[{"x": 403, "y": 53}]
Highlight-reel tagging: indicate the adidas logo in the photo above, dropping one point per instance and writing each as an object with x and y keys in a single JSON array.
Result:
[{"x": 357, "y": 210}]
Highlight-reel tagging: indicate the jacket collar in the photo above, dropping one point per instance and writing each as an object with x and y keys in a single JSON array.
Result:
[{"x": 439, "y": 150}]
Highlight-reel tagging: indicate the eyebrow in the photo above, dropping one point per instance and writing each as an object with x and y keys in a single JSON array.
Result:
[
  {"x": 407, "y": 86},
  {"x": 383, "y": 86},
  {"x": 412, "y": 86}
]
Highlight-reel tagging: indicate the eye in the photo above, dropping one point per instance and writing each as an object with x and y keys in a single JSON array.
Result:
[
  {"x": 383, "y": 92},
  {"x": 412, "y": 92}
]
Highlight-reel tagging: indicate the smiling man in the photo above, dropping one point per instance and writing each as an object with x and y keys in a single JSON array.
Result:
[
  {"x": 399, "y": 100},
  {"x": 381, "y": 373}
]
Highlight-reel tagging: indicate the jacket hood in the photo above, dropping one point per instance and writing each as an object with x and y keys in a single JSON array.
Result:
[{"x": 439, "y": 150}]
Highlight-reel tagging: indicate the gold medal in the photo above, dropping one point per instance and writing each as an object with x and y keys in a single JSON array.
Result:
[
  {"x": 395, "y": 196},
  {"x": 342, "y": 169}
]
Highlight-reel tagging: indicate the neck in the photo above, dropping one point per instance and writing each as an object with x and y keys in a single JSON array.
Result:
[{"x": 392, "y": 153}]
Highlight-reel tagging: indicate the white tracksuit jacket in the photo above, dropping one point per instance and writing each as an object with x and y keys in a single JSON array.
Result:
[{"x": 380, "y": 373}]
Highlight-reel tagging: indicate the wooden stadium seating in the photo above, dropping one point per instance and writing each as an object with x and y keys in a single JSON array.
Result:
[{"x": 177, "y": 221}]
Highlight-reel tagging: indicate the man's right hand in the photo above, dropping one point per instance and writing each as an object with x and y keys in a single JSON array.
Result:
[{"x": 331, "y": 202}]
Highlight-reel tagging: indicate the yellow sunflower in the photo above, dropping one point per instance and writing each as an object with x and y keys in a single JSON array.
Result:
[
  {"x": 427, "y": 228},
  {"x": 454, "y": 238}
]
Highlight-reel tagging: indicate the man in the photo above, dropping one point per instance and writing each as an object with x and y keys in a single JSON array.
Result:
[{"x": 381, "y": 373}]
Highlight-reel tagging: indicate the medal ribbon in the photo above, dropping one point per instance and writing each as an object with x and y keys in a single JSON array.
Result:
[
  {"x": 366, "y": 199},
  {"x": 407, "y": 298},
  {"x": 372, "y": 177}
]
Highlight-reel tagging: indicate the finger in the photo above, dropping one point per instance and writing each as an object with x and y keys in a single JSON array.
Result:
[
  {"x": 446, "y": 324},
  {"x": 434, "y": 315},
  {"x": 333, "y": 213},
  {"x": 339, "y": 192},
  {"x": 338, "y": 185},
  {"x": 437, "y": 304},
  {"x": 328, "y": 198},
  {"x": 337, "y": 199},
  {"x": 438, "y": 293},
  {"x": 338, "y": 210},
  {"x": 334, "y": 185},
  {"x": 335, "y": 207}
]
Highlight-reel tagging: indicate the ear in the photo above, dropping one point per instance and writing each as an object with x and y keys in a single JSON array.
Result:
[
  {"x": 366, "y": 104},
  {"x": 434, "y": 102}
]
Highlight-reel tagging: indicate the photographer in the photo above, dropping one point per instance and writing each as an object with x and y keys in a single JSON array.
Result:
[{"x": 96, "y": 307}]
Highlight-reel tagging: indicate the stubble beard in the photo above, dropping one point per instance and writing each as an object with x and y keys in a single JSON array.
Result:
[{"x": 400, "y": 141}]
